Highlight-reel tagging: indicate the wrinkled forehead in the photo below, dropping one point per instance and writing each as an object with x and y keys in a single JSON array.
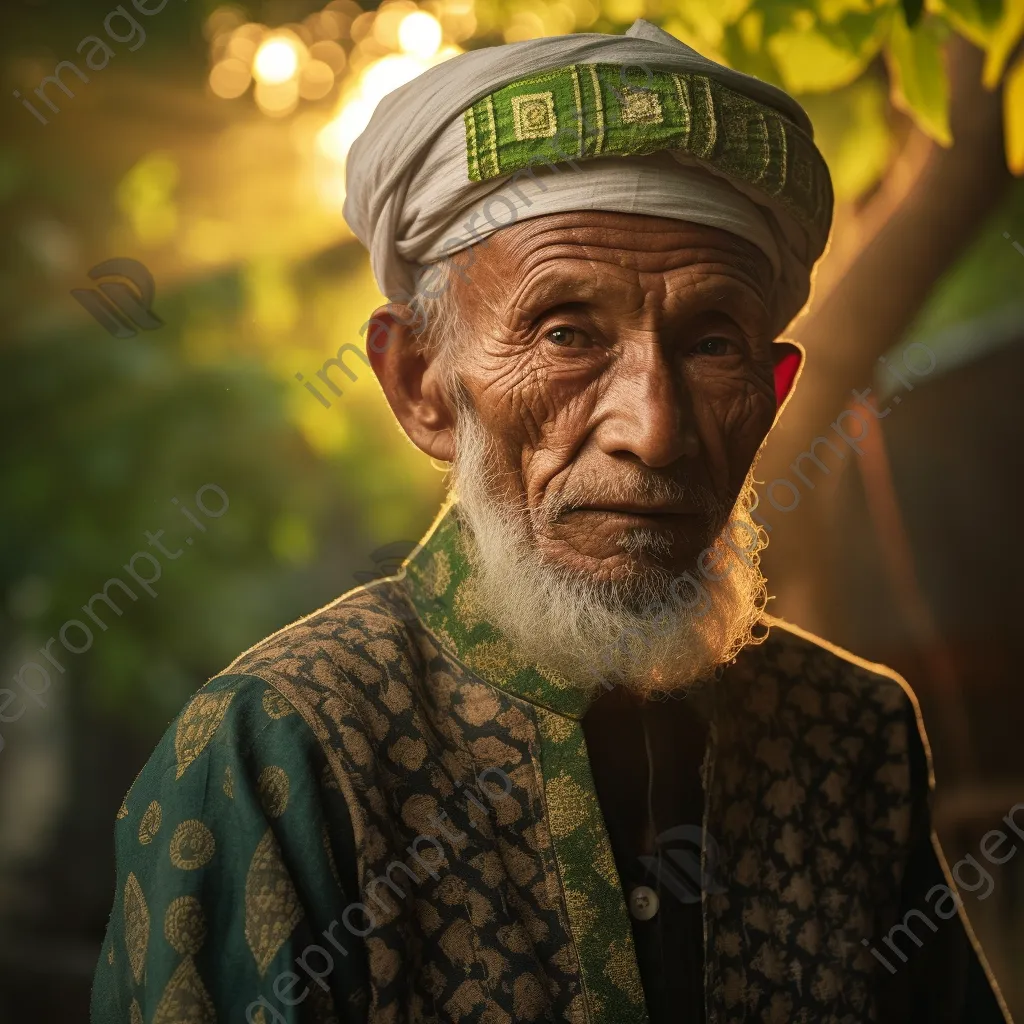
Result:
[{"x": 587, "y": 251}]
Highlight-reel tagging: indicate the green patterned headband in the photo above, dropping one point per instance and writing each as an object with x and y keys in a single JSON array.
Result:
[{"x": 588, "y": 110}]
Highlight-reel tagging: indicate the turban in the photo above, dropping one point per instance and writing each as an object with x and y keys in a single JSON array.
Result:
[{"x": 639, "y": 123}]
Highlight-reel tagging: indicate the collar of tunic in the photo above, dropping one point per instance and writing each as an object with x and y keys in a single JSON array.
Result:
[{"x": 441, "y": 584}]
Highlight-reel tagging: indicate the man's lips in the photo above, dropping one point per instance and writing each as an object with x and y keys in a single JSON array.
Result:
[{"x": 644, "y": 513}]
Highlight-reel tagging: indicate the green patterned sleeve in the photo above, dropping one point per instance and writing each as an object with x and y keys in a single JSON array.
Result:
[{"x": 235, "y": 864}]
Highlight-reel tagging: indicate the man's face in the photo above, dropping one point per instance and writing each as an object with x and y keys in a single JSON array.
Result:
[{"x": 622, "y": 366}]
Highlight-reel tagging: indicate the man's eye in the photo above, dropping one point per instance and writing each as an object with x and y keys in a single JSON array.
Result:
[
  {"x": 714, "y": 347},
  {"x": 566, "y": 337}
]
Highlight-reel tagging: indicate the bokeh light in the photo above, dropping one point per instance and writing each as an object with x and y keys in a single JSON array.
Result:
[
  {"x": 244, "y": 43},
  {"x": 230, "y": 78},
  {"x": 356, "y": 55},
  {"x": 387, "y": 74},
  {"x": 315, "y": 80},
  {"x": 420, "y": 34},
  {"x": 276, "y": 61},
  {"x": 277, "y": 98},
  {"x": 522, "y": 26},
  {"x": 331, "y": 53}
]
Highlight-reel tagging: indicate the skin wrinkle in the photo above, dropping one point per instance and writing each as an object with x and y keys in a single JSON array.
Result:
[{"x": 661, "y": 389}]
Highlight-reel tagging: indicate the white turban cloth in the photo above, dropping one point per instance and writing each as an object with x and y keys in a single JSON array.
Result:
[{"x": 639, "y": 123}]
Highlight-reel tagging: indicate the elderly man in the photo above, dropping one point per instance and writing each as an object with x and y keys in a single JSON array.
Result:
[{"x": 563, "y": 767}]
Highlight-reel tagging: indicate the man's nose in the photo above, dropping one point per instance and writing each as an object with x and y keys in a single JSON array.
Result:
[{"x": 650, "y": 410}]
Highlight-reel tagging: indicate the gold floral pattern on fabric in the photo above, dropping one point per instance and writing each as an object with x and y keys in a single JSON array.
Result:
[
  {"x": 409, "y": 753},
  {"x": 192, "y": 845},
  {"x": 495, "y": 853},
  {"x": 620, "y": 966},
  {"x": 327, "y": 779},
  {"x": 467, "y": 605},
  {"x": 185, "y": 925},
  {"x": 272, "y": 907},
  {"x": 557, "y": 729},
  {"x": 275, "y": 705},
  {"x": 136, "y": 926},
  {"x": 438, "y": 574},
  {"x": 567, "y": 809},
  {"x": 817, "y": 834},
  {"x": 135, "y": 1013},
  {"x": 511, "y": 906},
  {"x": 477, "y": 643},
  {"x": 273, "y": 788},
  {"x": 185, "y": 1000},
  {"x": 593, "y": 898},
  {"x": 122, "y": 811},
  {"x": 493, "y": 657},
  {"x": 150, "y": 824},
  {"x": 197, "y": 725}
]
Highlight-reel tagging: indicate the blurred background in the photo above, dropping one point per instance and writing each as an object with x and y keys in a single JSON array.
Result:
[{"x": 208, "y": 142}]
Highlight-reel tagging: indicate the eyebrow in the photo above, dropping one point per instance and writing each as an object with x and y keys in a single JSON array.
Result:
[{"x": 555, "y": 290}]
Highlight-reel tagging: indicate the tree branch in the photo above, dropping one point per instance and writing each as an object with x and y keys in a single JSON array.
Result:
[{"x": 869, "y": 290}]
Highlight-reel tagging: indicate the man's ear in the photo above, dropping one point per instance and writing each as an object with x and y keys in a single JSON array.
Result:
[
  {"x": 410, "y": 380},
  {"x": 789, "y": 361}
]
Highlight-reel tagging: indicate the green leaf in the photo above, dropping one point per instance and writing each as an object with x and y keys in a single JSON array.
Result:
[
  {"x": 814, "y": 55},
  {"x": 706, "y": 20},
  {"x": 833, "y": 10},
  {"x": 1013, "y": 118},
  {"x": 975, "y": 20},
  {"x": 920, "y": 87},
  {"x": 809, "y": 61},
  {"x": 851, "y": 128},
  {"x": 1004, "y": 38}
]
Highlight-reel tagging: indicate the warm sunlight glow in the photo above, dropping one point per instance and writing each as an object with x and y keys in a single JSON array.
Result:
[
  {"x": 277, "y": 61},
  {"x": 316, "y": 80},
  {"x": 420, "y": 34},
  {"x": 387, "y": 74},
  {"x": 374, "y": 83},
  {"x": 277, "y": 99},
  {"x": 337, "y": 136},
  {"x": 229, "y": 78}
]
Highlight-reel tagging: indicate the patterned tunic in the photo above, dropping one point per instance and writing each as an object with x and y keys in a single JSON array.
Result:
[{"x": 381, "y": 814}]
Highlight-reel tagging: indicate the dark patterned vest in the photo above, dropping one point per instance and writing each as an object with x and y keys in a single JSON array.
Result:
[
  {"x": 384, "y": 786},
  {"x": 807, "y": 782}
]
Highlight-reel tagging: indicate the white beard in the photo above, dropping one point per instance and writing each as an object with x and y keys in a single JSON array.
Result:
[{"x": 653, "y": 633}]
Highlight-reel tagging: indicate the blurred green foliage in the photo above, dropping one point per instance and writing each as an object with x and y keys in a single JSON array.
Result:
[{"x": 101, "y": 434}]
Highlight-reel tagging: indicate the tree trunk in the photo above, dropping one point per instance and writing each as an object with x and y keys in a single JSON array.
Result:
[{"x": 882, "y": 263}]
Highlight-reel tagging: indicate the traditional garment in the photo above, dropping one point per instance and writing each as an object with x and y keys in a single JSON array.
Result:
[
  {"x": 380, "y": 814},
  {"x": 639, "y": 123}
]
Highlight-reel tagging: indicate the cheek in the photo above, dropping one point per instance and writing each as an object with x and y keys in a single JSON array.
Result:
[
  {"x": 734, "y": 415},
  {"x": 558, "y": 440},
  {"x": 539, "y": 416}
]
